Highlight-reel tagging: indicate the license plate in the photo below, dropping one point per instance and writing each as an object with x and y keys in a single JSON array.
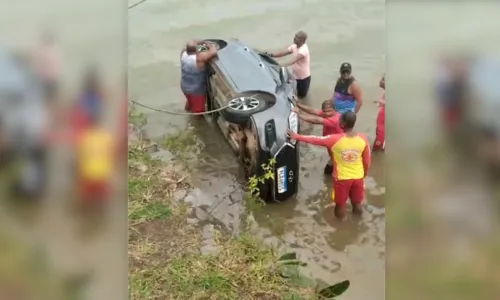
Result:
[{"x": 282, "y": 187}]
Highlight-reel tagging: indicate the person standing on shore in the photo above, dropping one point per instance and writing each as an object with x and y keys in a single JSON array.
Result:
[
  {"x": 347, "y": 95},
  {"x": 301, "y": 63},
  {"x": 379, "y": 143},
  {"x": 193, "y": 79},
  {"x": 351, "y": 161}
]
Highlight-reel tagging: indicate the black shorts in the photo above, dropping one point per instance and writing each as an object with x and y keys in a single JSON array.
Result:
[{"x": 303, "y": 86}]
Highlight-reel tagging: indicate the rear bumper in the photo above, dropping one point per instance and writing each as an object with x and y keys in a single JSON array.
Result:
[{"x": 286, "y": 174}]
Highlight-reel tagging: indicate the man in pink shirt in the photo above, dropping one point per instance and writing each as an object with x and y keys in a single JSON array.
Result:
[
  {"x": 327, "y": 116},
  {"x": 301, "y": 64}
]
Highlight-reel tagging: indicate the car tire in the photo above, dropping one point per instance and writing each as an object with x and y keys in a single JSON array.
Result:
[{"x": 242, "y": 107}]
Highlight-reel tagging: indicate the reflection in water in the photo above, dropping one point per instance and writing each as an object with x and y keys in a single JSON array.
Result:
[{"x": 346, "y": 232}]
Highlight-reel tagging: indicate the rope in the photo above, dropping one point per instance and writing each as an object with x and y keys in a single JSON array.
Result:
[
  {"x": 179, "y": 113},
  {"x": 135, "y": 4}
]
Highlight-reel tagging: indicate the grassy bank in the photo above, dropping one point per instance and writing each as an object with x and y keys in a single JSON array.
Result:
[{"x": 164, "y": 246}]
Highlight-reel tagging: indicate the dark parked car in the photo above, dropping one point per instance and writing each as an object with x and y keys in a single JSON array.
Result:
[{"x": 259, "y": 94}]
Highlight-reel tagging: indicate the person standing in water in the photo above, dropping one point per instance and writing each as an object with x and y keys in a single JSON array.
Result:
[
  {"x": 347, "y": 95},
  {"x": 327, "y": 117},
  {"x": 351, "y": 161},
  {"x": 301, "y": 63},
  {"x": 193, "y": 79},
  {"x": 379, "y": 143},
  {"x": 47, "y": 60}
]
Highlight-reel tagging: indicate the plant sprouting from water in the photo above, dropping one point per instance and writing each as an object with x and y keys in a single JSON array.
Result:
[
  {"x": 288, "y": 266},
  {"x": 254, "y": 200}
]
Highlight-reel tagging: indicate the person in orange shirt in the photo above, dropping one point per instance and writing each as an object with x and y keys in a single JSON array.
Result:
[
  {"x": 351, "y": 160},
  {"x": 327, "y": 116},
  {"x": 379, "y": 143}
]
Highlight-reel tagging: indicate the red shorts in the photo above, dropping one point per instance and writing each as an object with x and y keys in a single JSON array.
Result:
[
  {"x": 94, "y": 191},
  {"x": 353, "y": 189},
  {"x": 450, "y": 117},
  {"x": 195, "y": 103},
  {"x": 379, "y": 143}
]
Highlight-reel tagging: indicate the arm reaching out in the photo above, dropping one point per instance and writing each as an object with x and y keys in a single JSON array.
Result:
[
  {"x": 358, "y": 95},
  {"x": 310, "y": 110},
  {"x": 311, "y": 119},
  {"x": 325, "y": 141},
  {"x": 297, "y": 57},
  {"x": 203, "y": 57},
  {"x": 286, "y": 52}
]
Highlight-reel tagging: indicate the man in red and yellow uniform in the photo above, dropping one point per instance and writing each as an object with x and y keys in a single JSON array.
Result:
[
  {"x": 96, "y": 149},
  {"x": 351, "y": 156}
]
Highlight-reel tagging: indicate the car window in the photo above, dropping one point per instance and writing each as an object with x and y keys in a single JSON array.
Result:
[
  {"x": 268, "y": 60},
  {"x": 273, "y": 67}
]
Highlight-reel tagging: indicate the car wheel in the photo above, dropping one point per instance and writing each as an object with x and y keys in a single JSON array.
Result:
[{"x": 241, "y": 108}]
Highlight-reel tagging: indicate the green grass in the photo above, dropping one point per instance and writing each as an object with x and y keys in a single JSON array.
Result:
[
  {"x": 182, "y": 144},
  {"x": 164, "y": 250},
  {"x": 150, "y": 212}
]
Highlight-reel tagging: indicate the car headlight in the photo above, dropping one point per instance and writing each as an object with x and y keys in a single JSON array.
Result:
[{"x": 293, "y": 123}]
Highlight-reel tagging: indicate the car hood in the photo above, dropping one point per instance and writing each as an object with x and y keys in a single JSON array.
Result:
[{"x": 245, "y": 70}]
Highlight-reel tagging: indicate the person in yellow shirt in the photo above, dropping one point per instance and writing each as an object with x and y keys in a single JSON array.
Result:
[
  {"x": 350, "y": 152},
  {"x": 95, "y": 153}
]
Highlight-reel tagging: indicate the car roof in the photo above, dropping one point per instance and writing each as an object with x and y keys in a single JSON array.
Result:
[{"x": 245, "y": 70}]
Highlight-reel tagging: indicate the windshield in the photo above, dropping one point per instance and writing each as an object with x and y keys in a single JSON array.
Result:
[{"x": 273, "y": 67}]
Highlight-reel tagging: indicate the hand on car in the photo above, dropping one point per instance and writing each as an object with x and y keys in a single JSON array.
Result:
[
  {"x": 295, "y": 109},
  {"x": 291, "y": 134}
]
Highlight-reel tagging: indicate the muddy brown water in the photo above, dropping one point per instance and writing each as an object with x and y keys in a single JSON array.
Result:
[{"x": 338, "y": 31}]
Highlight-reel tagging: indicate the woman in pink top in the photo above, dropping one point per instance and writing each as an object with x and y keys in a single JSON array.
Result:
[{"x": 301, "y": 63}]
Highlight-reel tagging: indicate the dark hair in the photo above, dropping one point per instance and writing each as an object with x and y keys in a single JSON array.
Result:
[
  {"x": 348, "y": 119},
  {"x": 326, "y": 103},
  {"x": 302, "y": 35}
]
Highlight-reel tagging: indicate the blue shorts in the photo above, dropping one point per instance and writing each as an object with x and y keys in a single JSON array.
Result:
[{"x": 342, "y": 106}]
